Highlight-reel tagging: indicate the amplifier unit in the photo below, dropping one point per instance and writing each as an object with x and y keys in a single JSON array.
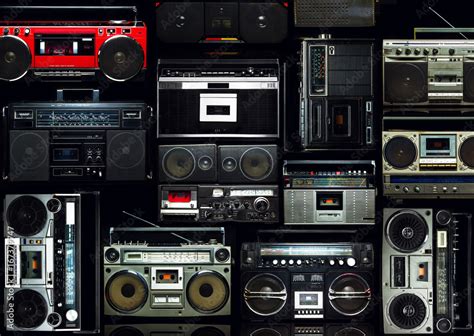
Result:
[
  {"x": 72, "y": 50},
  {"x": 428, "y": 72},
  {"x": 228, "y": 22},
  {"x": 219, "y": 203},
  {"x": 218, "y": 98},
  {"x": 330, "y": 13},
  {"x": 429, "y": 162},
  {"x": 44, "y": 263},
  {"x": 77, "y": 141},
  {"x": 321, "y": 281},
  {"x": 189, "y": 329},
  {"x": 329, "y": 192},
  {"x": 426, "y": 271},
  {"x": 336, "y": 94}
]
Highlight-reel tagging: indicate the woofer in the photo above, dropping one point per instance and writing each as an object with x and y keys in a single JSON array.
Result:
[
  {"x": 126, "y": 292},
  {"x": 30, "y": 310},
  {"x": 406, "y": 82},
  {"x": 407, "y": 231},
  {"x": 265, "y": 294},
  {"x": 121, "y": 58},
  {"x": 256, "y": 164},
  {"x": 349, "y": 294},
  {"x": 27, "y": 215},
  {"x": 350, "y": 331},
  {"x": 400, "y": 152},
  {"x": 407, "y": 311},
  {"x": 466, "y": 152},
  {"x": 179, "y": 163},
  {"x": 15, "y": 58},
  {"x": 208, "y": 292},
  {"x": 208, "y": 331},
  {"x": 126, "y": 331}
]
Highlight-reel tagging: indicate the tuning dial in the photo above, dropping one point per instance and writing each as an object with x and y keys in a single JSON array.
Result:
[
  {"x": 426, "y": 51},
  {"x": 417, "y": 51},
  {"x": 406, "y": 189},
  {"x": 261, "y": 204},
  {"x": 399, "y": 51},
  {"x": 417, "y": 189},
  {"x": 407, "y": 52}
]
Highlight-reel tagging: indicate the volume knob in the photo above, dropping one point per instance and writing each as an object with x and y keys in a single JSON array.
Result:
[{"x": 351, "y": 262}]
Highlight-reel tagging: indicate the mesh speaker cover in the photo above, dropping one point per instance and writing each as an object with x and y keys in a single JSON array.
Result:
[
  {"x": 15, "y": 58},
  {"x": 468, "y": 81},
  {"x": 265, "y": 294},
  {"x": 466, "y": 152},
  {"x": 263, "y": 22},
  {"x": 126, "y": 292},
  {"x": 406, "y": 82},
  {"x": 407, "y": 311},
  {"x": 400, "y": 152},
  {"x": 30, "y": 309},
  {"x": 126, "y": 331},
  {"x": 407, "y": 231},
  {"x": 179, "y": 163},
  {"x": 121, "y": 58},
  {"x": 334, "y": 13},
  {"x": 349, "y": 294},
  {"x": 256, "y": 164},
  {"x": 126, "y": 150},
  {"x": 29, "y": 153},
  {"x": 180, "y": 22},
  {"x": 207, "y": 292},
  {"x": 26, "y": 215}
]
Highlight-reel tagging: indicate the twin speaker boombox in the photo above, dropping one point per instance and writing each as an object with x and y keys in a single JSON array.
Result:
[
  {"x": 320, "y": 281},
  {"x": 229, "y": 22},
  {"x": 330, "y": 13},
  {"x": 72, "y": 50},
  {"x": 430, "y": 162},
  {"x": 329, "y": 192},
  {"x": 426, "y": 271},
  {"x": 428, "y": 72},
  {"x": 306, "y": 329},
  {"x": 44, "y": 264},
  {"x": 189, "y": 279},
  {"x": 336, "y": 94},
  {"x": 66, "y": 141},
  {"x": 190, "y": 329},
  {"x": 219, "y": 98}
]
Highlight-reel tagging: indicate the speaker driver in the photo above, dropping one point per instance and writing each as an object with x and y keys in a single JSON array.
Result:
[
  {"x": 121, "y": 58},
  {"x": 27, "y": 215},
  {"x": 28, "y": 151},
  {"x": 400, "y": 152},
  {"x": 30, "y": 309},
  {"x": 407, "y": 231},
  {"x": 265, "y": 294},
  {"x": 126, "y": 331},
  {"x": 350, "y": 332},
  {"x": 179, "y": 163},
  {"x": 207, "y": 292},
  {"x": 126, "y": 150},
  {"x": 407, "y": 311},
  {"x": 406, "y": 82},
  {"x": 265, "y": 332},
  {"x": 15, "y": 58},
  {"x": 126, "y": 291},
  {"x": 208, "y": 331},
  {"x": 466, "y": 152},
  {"x": 349, "y": 294},
  {"x": 256, "y": 164}
]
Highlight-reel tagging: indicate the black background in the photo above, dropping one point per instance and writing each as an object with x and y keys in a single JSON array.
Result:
[{"x": 395, "y": 19}]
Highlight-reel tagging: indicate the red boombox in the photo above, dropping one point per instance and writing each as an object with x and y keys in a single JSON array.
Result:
[{"x": 117, "y": 49}]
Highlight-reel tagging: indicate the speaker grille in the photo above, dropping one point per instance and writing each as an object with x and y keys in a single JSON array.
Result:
[
  {"x": 407, "y": 231},
  {"x": 208, "y": 292},
  {"x": 126, "y": 155},
  {"x": 407, "y": 311},
  {"x": 400, "y": 152},
  {"x": 180, "y": 22},
  {"x": 349, "y": 294},
  {"x": 29, "y": 155},
  {"x": 406, "y": 82},
  {"x": 265, "y": 294},
  {"x": 121, "y": 58},
  {"x": 15, "y": 58},
  {"x": 30, "y": 309},
  {"x": 26, "y": 215},
  {"x": 466, "y": 152},
  {"x": 263, "y": 22},
  {"x": 468, "y": 81}
]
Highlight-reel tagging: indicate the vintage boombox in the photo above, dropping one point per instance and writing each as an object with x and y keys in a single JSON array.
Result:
[
  {"x": 290, "y": 329},
  {"x": 209, "y": 163},
  {"x": 430, "y": 162},
  {"x": 426, "y": 271},
  {"x": 330, "y": 13},
  {"x": 218, "y": 98},
  {"x": 336, "y": 94},
  {"x": 318, "y": 281},
  {"x": 189, "y": 279},
  {"x": 72, "y": 50},
  {"x": 329, "y": 192},
  {"x": 45, "y": 263},
  {"x": 428, "y": 72},
  {"x": 64, "y": 141},
  {"x": 190, "y": 329},
  {"x": 225, "y": 21},
  {"x": 219, "y": 203}
]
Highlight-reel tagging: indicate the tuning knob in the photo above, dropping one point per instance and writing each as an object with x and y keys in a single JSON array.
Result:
[
  {"x": 399, "y": 51},
  {"x": 417, "y": 51}
]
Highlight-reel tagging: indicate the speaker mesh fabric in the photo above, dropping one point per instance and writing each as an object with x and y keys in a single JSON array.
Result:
[
  {"x": 126, "y": 155},
  {"x": 29, "y": 155}
]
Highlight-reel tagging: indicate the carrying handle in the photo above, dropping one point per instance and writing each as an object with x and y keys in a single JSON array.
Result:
[
  {"x": 425, "y": 30},
  {"x": 63, "y": 94}
]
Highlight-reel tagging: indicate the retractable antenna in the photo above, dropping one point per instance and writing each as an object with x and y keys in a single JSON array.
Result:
[
  {"x": 157, "y": 226},
  {"x": 447, "y": 22}
]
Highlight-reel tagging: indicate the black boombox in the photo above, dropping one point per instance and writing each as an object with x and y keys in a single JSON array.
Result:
[
  {"x": 66, "y": 141},
  {"x": 319, "y": 281},
  {"x": 222, "y": 21},
  {"x": 336, "y": 94},
  {"x": 218, "y": 98}
]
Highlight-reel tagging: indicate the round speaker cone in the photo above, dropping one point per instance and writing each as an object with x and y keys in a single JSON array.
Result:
[
  {"x": 407, "y": 231},
  {"x": 126, "y": 331},
  {"x": 444, "y": 217},
  {"x": 265, "y": 294},
  {"x": 350, "y": 332},
  {"x": 30, "y": 309},
  {"x": 208, "y": 331},
  {"x": 466, "y": 152},
  {"x": 126, "y": 150},
  {"x": 229, "y": 164},
  {"x": 15, "y": 58},
  {"x": 121, "y": 58},
  {"x": 126, "y": 291},
  {"x": 400, "y": 152},
  {"x": 407, "y": 311},
  {"x": 349, "y": 294},
  {"x": 406, "y": 82},
  {"x": 26, "y": 215},
  {"x": 208, "y": 292},
  {"x": 256, "y": 164},
  {"x": 179, "y": 163},
  {"x": 468, "y": 82},
  {"x": 205, "y": 163},
  {"x": 28, "y": 151},
  {"x": 265, "y": 332}
]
